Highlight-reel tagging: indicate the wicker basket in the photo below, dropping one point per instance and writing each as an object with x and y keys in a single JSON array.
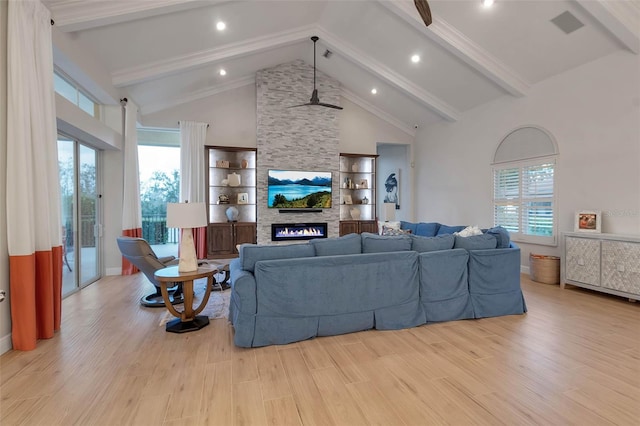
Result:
[{"x": 544, "y": 269}]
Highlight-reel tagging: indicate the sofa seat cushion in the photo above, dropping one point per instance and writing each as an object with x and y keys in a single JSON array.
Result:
[
  {"x": 252, "y": 253},
  {"x": 374, "y": 243},
  {"x": 348, "y": 244},
  {"x": 476, "y": 242},
  {"x": 425, "y": 244},
  {"x": 446, "y": 229}
]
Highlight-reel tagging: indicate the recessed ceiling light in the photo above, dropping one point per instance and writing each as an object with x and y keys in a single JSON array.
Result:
[
  {"x": 221, "y": 26},
  {"x": 223, "y": 72},
  {"x": 374, "y": 91},
  {"x": 415, "y": 59},
  {"x": 488, "y": 3}
]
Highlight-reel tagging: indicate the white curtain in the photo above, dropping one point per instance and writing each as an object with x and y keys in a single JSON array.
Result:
[
  {"x": 131, "y": 209},
  {"x": 34, "y": 234},
  {"x": 192, "y": 140}
]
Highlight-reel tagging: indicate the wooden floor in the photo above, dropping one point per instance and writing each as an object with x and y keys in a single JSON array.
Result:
[{"x": 573, "y": 359}]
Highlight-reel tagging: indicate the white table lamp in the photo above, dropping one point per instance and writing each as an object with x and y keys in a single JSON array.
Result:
[
  {"x": 187, "y": 216},
  {"x": 389, "y": 212}
]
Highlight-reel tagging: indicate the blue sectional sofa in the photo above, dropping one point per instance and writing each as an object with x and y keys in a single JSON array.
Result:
[{"x": 286, "y": 293}]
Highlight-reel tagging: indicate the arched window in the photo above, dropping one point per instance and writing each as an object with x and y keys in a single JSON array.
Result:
[{"x": 524, "y": 188}]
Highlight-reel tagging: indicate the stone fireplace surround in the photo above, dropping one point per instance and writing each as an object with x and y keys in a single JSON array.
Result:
[{"x": 304, "y": 138}]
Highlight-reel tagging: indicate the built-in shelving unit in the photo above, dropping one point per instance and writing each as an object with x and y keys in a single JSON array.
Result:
[
  {"x": 231, "y": 183},
  {"x": 357, "y": 193}
]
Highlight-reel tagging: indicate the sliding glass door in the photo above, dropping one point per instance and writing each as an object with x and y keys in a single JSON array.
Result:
[{"x": 81, "y": 226}]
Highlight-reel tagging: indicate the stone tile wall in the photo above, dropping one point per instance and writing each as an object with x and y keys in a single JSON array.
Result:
[{"x": 305, "y": 138}]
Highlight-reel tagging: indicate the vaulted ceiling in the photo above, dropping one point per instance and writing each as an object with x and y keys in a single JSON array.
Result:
[{"x": 165, "y": 53}]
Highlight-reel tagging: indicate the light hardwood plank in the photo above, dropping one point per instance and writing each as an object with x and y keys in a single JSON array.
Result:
[{"x": 574, "y": 358}]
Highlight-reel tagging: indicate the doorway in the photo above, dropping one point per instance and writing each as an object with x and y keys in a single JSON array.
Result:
[{"x": 80, "y": 204}]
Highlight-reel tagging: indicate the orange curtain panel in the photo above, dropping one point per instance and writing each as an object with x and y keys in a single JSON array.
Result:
[
  {"x": 33, "y": 192},
  {"x": 131, "y": 208}
]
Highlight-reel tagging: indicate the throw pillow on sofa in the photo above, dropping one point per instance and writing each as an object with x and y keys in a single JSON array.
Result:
[
  {"x": 390, "y": 230},
  {"x": 348, "y": 244},
  {"x": 374, "y": 243},
  {"x": 476, "y": 242},
  {"x": 469, "y": 231},
  {"x": 425, "y": 244},
  {"x": 445, "y": 229}
]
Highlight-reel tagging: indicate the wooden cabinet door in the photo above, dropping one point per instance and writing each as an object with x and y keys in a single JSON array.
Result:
[
  {"x": 348, "y": 227},
  {"x": 220, "y": 239},
  {"x": 244, "y": 233},
  {"x": 369, "y": 226}
]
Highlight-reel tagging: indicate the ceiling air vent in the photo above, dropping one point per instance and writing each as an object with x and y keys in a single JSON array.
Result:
[{"x": 567, "y": 22}]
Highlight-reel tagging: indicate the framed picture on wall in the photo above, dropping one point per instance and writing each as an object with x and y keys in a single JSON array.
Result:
[
  {"x": 348, "y": 199},
  {"x": 392, "y": 188},
  {"x": 588, "y": 221},
  {"x": 243, "y": 198}
]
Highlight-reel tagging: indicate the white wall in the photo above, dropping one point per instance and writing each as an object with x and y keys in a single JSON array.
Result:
[
  {"x": 231, "y": 117},
  {"x": 361, "y": 130},
  {"x": 594, "y": 113},
  {"x": 5, "y": 312}
]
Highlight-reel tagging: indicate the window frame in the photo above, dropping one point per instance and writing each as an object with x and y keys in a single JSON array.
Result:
[
  {"x": 520, "y": 200},
  {"x": 79, "y": 91}
]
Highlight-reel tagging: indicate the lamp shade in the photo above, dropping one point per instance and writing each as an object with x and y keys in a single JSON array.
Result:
[
  {"x": 389, "y": 212},
  {"x": 186, "y": 215}
]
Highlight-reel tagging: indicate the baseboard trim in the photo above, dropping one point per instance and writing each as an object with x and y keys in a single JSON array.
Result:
[
  {"x": 113, "y": 271},
  {"x": 5, "y": 344}
]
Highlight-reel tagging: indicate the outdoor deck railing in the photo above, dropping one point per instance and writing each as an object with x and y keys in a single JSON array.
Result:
[{"x": 154, "y": 230}]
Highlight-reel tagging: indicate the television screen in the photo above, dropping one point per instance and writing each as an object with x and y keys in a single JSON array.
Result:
[{"x": 294, "y": 189}]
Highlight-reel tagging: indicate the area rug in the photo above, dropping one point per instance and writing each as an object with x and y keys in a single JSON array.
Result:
[{"x": 217, "y": 305}]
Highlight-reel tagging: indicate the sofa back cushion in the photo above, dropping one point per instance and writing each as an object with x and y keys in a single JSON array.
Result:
[
  {"x": 424, "y": 244},
  {"x": 446, "y": 229},
  {"x": 348, "y": 244},
  {"x": 429, "y": 229},
  {"x": 502, "y": 235},
  {"x": 374, "y": 243},
  {"x": 252, "y": 253},
  {"x": 409, "y": 226},
  {"x": 476, "y": 242}
]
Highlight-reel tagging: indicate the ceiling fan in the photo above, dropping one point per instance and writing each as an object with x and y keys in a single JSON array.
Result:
[
  {"x": 315, "y": 101},
  {"x": 424, "y": 11}
]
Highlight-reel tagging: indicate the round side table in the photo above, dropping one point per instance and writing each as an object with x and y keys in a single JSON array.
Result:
[{"x": 188, "y": 319}]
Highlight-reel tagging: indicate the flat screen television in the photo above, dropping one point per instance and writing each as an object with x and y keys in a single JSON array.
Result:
[{"x": 296, "y": 189}]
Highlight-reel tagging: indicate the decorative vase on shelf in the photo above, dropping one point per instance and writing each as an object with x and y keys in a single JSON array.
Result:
[
  {"x": 365, "y": 200},
  {"x": 355, "y": 213},
  {"x": 354, "y": 167},
  {"x": 232, "y": 214},
  {"x": 233, "y": 179},
  {"x": 244, "y": 164}
]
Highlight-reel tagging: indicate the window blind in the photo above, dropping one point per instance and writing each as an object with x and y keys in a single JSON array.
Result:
[{"x": 524, "y": 200}]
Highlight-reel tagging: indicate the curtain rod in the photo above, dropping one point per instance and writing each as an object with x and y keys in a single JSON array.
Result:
[{"x": 207, "y": 124}]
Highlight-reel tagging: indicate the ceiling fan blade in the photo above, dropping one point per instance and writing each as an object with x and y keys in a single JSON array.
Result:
[
  {"x": 328, "y": 105},
  {"x": 424, "y": 11},
  {"x": 301, "y": 105}
]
